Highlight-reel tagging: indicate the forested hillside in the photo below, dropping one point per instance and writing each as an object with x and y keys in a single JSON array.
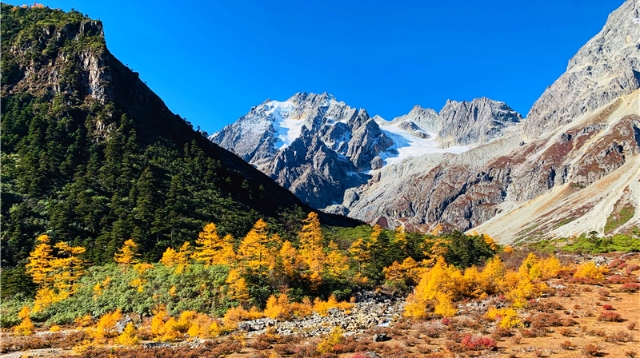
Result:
[{"x": 91, "y": 156}]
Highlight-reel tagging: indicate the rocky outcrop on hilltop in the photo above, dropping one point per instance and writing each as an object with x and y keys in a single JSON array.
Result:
[{"x": 605, "y": 68}]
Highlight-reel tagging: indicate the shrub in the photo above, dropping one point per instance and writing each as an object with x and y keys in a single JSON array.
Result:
[
  {"x": 591, "y": 350},
  {"x": 25, "y": 328},
  {"x": 630, "y": 287},
  {"x": 620, "y": 336},
  {"x": 128, "y": 337},
  {"x": 609, "y": 316},
  {"x": 608, "y": 308},
  {"x": 631, "y": 326},
  {"x": 590, "y": 270},
  {"x": 505, "y": 317},
  {"x": 329, "y": 342},
  {"x": 106, "y": 326},
  {"x": 474, "y": 343},
  {"x": 566, "y": 345}
]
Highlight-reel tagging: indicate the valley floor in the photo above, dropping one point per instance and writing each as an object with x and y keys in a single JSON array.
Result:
[{"x": 577, "y": 318}]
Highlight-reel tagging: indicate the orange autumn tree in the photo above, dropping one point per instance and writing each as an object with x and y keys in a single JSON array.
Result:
[{"x": 211, "y": 249}]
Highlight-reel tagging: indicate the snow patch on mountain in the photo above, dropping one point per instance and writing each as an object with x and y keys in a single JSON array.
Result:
[
  {"x": 287, "y": 128},
  {"x": 407, "y": 144}
]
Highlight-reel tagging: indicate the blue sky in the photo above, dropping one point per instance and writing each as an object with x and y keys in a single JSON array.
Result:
[{"x": 212, "y": 61}]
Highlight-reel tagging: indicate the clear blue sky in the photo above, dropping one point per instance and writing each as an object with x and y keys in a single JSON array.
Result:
[{"x": 212, "y": 61}]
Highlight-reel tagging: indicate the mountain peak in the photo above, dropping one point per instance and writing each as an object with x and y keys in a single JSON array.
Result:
[{"x": 605, "y": 68}]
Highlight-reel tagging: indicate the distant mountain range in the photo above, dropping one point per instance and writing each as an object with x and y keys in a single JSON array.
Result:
[{"x": 572, "y": 166}]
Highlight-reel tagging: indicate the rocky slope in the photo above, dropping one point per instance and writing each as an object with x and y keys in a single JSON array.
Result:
[
  {"x": 320, "y": 148},
  {"x": 605, "y": 68}
]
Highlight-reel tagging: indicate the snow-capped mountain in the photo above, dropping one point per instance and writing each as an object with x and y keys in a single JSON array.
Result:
[{"x": 319, "y": 147}]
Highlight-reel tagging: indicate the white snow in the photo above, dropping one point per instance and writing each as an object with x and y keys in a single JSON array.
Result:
[
  {"x": 408, "y": 145},
  {"x": 287, "y": 128}
]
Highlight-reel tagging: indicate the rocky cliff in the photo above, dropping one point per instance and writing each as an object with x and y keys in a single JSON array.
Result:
[{"x": 605, "y": 68}]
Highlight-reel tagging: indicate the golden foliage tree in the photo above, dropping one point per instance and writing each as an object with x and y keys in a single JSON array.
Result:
[
  {"x": 211, "y": 249},
  {"x": 56, "y": 276},
  {"x": 67, "y": 269},
  {"x": 359, "y": 251},
  {"x": 39, "y": 265},
  {"x": 237, "y": 286},
  {"x": 25, "y": 328},
  {"x": 178, "y": 259},
  {"x": 292, "y": 265},
  {"x": 311, "y": 243},
  {"x": 253, "y": 253},
  {"x": 337, "y": 264},
  {"x": 127, "y": 254}
]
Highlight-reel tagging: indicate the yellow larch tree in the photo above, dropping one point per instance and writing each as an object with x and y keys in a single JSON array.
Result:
[
  {"x": 291, "y": 263},
  {"x": 67, "y": 269},
  {"x": 56, "y": 277},
  {"x": 127, "y": 254},
  {"x": 359, "y": 251},
  {"x": 311, "y": 243},
  {"x": 25, "y": 328},
  {"x": 439, "y": 283},
  {"x": 337, "y": 264},
  {"x": 181, "y": 259},
  {"x": 237, "y": 286},
  {"x": 253, "y": 253},
  {"x": 39, "y": 265},
  {"x": 400, "y": 240},
  {"x": 211, "y": 249}
]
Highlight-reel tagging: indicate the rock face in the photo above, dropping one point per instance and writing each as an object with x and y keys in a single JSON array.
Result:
[
  {"x": 319, "y": 148},
  {"x": 605, "y": 68},
  {"x": 478, "y": 121}
]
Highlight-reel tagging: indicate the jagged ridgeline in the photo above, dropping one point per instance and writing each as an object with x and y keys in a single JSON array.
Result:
[{"x": 90, "y": 155}]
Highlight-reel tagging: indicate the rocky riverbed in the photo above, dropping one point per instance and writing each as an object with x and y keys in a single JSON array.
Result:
[{"x": 371, "y": 309}]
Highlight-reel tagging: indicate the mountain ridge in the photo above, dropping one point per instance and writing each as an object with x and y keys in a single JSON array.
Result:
[
  {"x": 479, "y": 166},
  {"x": 91, "y": 155}
]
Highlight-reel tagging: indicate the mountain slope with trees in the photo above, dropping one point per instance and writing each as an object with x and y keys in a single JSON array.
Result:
[{"x": 91, "y": 156}]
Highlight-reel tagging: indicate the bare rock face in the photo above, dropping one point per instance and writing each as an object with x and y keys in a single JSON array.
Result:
[
  {"x": 475, "y": 122},
  {"x": 605, "y": 68},
  {"x": 48, "y": 73},
  {"x": 311, "y": 144}
]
